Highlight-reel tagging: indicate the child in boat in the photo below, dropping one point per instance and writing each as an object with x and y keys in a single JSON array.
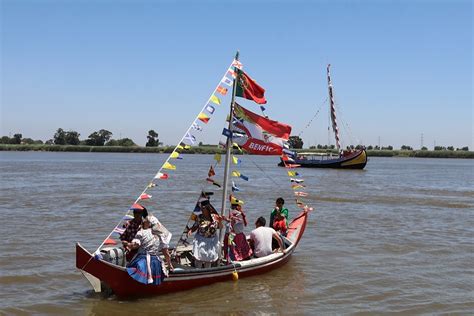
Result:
[
  {"x": 279, "y": 223},
  {"x": 279, "y": 206}
]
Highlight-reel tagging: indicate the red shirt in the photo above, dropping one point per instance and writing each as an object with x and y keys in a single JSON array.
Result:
[{"x": 280, "y": 225}]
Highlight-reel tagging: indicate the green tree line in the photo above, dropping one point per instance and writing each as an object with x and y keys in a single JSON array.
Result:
[{"x": 98, "y": 138}]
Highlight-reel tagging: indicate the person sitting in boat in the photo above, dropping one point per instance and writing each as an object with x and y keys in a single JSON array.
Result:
[
  {"x": 261, "y": 239},
  {"x": 162, "y": 237},
  {"x": 133, "y": 226},
  {"x": 146, "y": 266},
  {"x": 279, "y": 223},
  {"x": 279, "y": 207},
  {"x": 206, "y": 241},
  {"x": 236, "y": 247}
]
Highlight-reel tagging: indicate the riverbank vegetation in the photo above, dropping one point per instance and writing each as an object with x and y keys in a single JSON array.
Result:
[{"x": 211, "y": 149}]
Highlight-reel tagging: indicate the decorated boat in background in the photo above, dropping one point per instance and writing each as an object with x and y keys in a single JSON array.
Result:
[
  {"x": 345, "y": 159},
  {"x": 105, "y": 268}
]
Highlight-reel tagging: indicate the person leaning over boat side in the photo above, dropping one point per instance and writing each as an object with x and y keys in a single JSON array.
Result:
[
  {"x": 236, "y": 247},
  {"x": 279, "y": 206},
  {"x": 261, "y": 239},
  {"x": 146, "y": 266},
  {"x": 206, "y": 240}
]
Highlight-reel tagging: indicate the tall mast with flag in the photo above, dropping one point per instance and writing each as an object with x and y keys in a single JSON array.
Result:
[
  {"x": 333, "y": 111},
  {"x": 229, "y": 142}
]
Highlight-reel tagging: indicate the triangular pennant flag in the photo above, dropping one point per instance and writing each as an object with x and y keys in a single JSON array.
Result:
[
  {"x": 169, "y": 166},
  {"x": 296, "y": 180},
  {"x": 213, "y": 182},
  {"x": 233, "y": 200},
  {"x": 234, "y": 187},
  {"x": 215, "y": 99},
  {"x": 262, "y": 108},
  {"x": 211, "y": 172},
  {"x": 174, "y": 154},
  {"x": 160, "y": 175},
  {"x": 145, "y": 196},
  {"x": 110, "y": 241},
  {"x": 293, "y": 173},
  {"x": 203, "y": 117},
  {"x": 152, "y": 185},
  {"x": 297, "y": 186},
  {"x": 236, "y": 146},
  {"x": 244, "y": 177},
  {"x": 236, "y": 160},
  {"x": 235, "y": 173},
  {"x": 298, "y": 193},
  {"x": 217, "y": 157},
  {"x": 183, "y": 146},
  {"x": 299, "y": 203},
  {"x": 222, "y": 90}
]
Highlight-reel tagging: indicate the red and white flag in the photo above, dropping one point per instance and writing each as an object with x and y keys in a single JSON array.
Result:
[
  {"x": 257, "y": 134},
  {"x": 160, "y": 175},
  {"x": 299, "y": 193},
  {"x": 145, "y": 196}
]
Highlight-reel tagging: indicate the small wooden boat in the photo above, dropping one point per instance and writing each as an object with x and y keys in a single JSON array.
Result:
[
  {"x": 104, "y": 275},
  {"x": 106, "y": 268},
  {"x": 346, "y": 159}
]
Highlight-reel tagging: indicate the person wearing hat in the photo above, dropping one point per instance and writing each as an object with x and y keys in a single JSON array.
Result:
[
  {"x": 132, "y": 227},
  {"x": 206, "y": 240}
]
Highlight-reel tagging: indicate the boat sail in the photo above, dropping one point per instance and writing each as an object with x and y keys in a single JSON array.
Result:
[
  {"x": 256, "y": 134},
  {"x": 346, "y": 159}
]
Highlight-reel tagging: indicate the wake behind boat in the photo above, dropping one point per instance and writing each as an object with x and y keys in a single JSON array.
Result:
[
  {"x": 345, "y": 159},
  {"x": 108, "y": 268}
]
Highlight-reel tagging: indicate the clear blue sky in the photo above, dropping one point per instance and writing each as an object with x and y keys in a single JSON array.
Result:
[{"x": 400, "y": 68}]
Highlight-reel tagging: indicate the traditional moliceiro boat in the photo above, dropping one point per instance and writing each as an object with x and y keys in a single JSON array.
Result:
[
  {"x": 346, "y": 159},
  {"x": 106, "y": 267}
]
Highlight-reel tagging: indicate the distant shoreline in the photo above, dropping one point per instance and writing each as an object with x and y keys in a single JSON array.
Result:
[{"x": 215, "y": 149}]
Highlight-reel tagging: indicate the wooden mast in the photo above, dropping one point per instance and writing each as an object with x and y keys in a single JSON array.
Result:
[
  {"x": 333, "y": 110},
  {"x": 228, "y": 150}
]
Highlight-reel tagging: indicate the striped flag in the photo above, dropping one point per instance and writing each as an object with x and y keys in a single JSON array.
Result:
[
  {"x": 203, "y": 117},
  {"x": 160, "y": 175},
  {"x": 222, "y": 90}
]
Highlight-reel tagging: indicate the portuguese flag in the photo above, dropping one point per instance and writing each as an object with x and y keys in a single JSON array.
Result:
[{"x": 247, "y": 88}]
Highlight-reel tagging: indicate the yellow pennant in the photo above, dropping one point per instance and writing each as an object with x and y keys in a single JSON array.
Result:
[
  {"x": 292, "y": 173},
  {"x": 215, "y": 99},
  {"x": 217, "y": 157},
  {"x": 174, "y": 154},
  {"x": 180, "y": 147},
  {"x": 235, "y": 173},
  {"x": 236, "y": 146},
  {"x": 169, "y": 166},
  {"x": 235, "y": 160},
  {"x": 233, "y": 200}
]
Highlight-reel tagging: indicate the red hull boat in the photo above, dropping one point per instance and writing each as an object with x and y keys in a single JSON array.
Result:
[{"x": 104, "y": 275}]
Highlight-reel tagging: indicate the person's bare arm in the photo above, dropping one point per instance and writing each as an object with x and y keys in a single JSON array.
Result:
[{"x": 278, "y": 238}]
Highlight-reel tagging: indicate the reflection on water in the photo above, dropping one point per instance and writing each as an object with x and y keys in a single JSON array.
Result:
[{"x": 396, "y": 237}]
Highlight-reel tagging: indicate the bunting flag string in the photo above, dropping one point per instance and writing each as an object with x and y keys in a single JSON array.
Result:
[
  {"x": 187, "y": 137},
  {"x": 236, "y": 160},
  {"x": 175, "y": 155}
]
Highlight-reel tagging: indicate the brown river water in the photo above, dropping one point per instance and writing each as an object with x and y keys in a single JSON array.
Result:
[{"x": 397, "y": 237}]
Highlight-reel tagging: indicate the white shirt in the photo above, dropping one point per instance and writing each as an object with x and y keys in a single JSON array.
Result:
[{"x": 262, "y": 239}]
